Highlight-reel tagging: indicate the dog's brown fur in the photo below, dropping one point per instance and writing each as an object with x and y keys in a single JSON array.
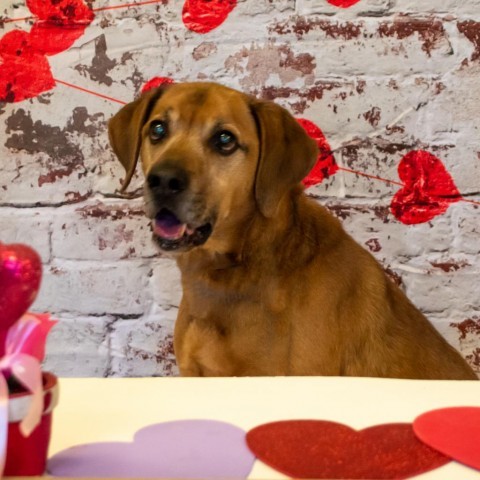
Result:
[{"x": 278, "y": 288}]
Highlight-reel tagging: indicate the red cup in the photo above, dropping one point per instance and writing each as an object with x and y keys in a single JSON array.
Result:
[{"x": 28, "y": 455}]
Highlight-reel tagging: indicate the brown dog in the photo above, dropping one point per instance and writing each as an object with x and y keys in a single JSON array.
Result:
[{"x": 272, "y": 284}]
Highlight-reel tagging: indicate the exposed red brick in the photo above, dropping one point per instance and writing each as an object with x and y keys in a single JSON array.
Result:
[
  {"x": 450, "y": 266},
  {"x": 468, "y": 326},
  {"x": 373, "y": 116},
  {"x": 474, "y": 358},
  {"x": 303, "y": 25},
  {"x": 113, "y": 212},
  {"x": 429, "y": 30},
  {"x": 471, "y": 30},
  {"x": 373, "y": 244}
]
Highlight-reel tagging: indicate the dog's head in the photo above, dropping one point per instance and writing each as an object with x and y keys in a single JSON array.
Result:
[{"x": 211, "y": 156}]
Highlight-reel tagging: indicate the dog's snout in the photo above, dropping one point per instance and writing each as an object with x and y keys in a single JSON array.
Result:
[{"x": 167, "y": 180}]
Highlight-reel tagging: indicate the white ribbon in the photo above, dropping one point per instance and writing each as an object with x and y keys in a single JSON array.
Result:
[
  {"x": 24, "y": 350},
  {"x": 27, "y": 370}
]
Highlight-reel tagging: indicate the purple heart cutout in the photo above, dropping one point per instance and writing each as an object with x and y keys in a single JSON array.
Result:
[{"x": 181, "y": 449}]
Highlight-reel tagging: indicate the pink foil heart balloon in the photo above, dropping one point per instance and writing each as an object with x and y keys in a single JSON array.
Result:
[{"x": 20, "y": 276}]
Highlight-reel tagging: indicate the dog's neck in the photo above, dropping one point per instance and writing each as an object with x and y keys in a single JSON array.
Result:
[{"x": 254, "y": 239}]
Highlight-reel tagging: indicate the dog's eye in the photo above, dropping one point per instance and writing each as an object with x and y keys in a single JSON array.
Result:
[
  {"x": 158, "y": 130},
  {"x": 225, "y": 142}
]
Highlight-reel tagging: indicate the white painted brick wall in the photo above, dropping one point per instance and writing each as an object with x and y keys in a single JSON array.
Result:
[
  {"x": 381, "y": 78},
  {"x": 95, "y": 287}
]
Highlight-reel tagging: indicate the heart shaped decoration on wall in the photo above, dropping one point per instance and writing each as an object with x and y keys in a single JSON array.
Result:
[
  {"x": 61, "y": 12},
  {"x": 25, "y": 72},
  {"x": 323, "y": 449},
  {"x": 428, "y": 189},
  {"x": 50, "y": 39},
  {"x": 343, "y": 3},
  {"x": 156, "y": 82},
  {"x": 202, "y": 16},
  {"x": 59, "y": 24},
  {"x": 326, "y": 165}
]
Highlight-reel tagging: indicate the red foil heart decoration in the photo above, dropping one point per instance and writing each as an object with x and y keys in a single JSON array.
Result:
[
  {"x": 156, "y": 82},
  {"x": 325, "y": 165},
  {"x": 202, "y": 16},
  {"x": 343, "y": 3},
  {"x": 59, "y": 24},
  {"x": 51, "y": 39},
  {"x": 322, "y": 449},
  {"x": 20, "y": 276},
  {"x": 61, "y": 12},
  {"x": 24, "y": 71},
  {"x": 453, "y": 431},
  {"x": 428, "y": 189}
]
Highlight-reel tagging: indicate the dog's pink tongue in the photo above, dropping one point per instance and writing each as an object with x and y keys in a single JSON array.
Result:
[{"x": 168, "y": 226}]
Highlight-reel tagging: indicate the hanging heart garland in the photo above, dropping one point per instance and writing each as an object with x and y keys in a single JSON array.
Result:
[
  {"x": 25, "y": 71},
  {"x": 428, "y": 189},
  {"x": 202, "y": 16}
]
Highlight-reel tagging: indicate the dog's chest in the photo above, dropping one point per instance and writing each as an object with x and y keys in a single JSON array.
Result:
[
  {"x": 223, "y": 329},
  {"x": 231, "y": 343},
  {"x": 210, "y": 290}
]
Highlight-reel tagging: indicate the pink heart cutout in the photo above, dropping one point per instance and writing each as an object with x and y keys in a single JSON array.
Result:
[
  {"x": 428, "y": 189},
  {"x": 453, "y": 431},
  {"x": 178, "y": 449}
]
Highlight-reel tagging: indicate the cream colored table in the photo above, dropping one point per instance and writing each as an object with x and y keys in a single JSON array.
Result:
[{"x": 93, "y": 410}]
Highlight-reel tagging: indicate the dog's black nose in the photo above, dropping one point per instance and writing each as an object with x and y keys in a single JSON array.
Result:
[{"x": 167, "y": 180}]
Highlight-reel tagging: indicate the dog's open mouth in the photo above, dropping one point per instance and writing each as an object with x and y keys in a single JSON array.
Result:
[{"x": 172, "y": 234}]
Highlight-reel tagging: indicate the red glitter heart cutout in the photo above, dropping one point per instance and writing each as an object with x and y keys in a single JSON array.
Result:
[
  {"x": 325, "y": 165},
  {"x": 429, "y": 189},
  {"x": 25, "y": 72},
  {"x": 20, "y": 276},
  {"x": 343, "y": 3},
  {"x": 202, "y": 16},
  {"x": 322, "y": 449},
  {"x": 61, "y": 12},
  {"x": 453, "y": 431}
]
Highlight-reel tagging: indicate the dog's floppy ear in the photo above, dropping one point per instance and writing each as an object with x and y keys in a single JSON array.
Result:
[
  {"x": 124, "y": 131},
  {"x": 287, "y": 154}
]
